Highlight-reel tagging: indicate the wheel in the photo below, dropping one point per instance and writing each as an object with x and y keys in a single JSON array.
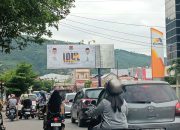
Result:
[
  {"x": 73, "y": 120},
  {"x": 32, "y": 116},
  {"x": 80, "y": 122}
]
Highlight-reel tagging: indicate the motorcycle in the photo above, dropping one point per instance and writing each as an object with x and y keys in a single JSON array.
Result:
[
  {"x": 41, "y": 111},
  {"x": 1, "y": 122},
  {"x": 12, "y": 114},
  {"x": 54, "y": 122},
  {"x": 26, "y": 113}
]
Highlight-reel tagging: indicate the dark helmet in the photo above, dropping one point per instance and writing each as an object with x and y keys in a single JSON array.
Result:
[{"x": 114, "y": 87}]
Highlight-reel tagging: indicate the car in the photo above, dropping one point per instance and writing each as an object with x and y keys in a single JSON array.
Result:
[
  {"x": 151, "y": 105},
  {"x": 68, "y": 102},
  {"x": 83, "y": 99},
  {"x": 63, "y": 93}
]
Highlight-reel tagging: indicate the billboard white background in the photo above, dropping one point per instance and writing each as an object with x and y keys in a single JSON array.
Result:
[{"x": 70, "y": 56}]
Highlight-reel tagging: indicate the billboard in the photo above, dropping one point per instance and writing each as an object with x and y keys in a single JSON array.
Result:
[
  {"x": 105, "y": 56},
  {"x": 70, "y": 56},
  {"x": 157, "y": 54}
]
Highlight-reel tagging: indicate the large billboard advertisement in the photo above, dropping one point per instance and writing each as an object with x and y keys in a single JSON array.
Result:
[
  {"x": 157, "y": 54},
  {"x": 70, "y": 56}
]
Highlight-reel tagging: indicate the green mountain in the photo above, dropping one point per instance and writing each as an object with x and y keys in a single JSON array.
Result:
[{"x": 36, "y": 55}]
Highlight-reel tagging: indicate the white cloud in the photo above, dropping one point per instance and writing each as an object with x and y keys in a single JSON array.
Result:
[{"x": 145, "y": 12}]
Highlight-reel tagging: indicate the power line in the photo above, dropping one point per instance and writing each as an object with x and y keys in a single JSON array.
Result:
[
  {"x": 128, "y": 24},
  {"x": 110, "y": 38},
  {"x": 98, "y": 1},
  {"x": 109, "y": 29},
  {"x": 106, "y": 34},
  {"x": 132, "y": 41}
]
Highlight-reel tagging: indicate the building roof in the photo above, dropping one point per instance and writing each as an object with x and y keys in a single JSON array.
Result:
[{"x": 55, "y": 77}]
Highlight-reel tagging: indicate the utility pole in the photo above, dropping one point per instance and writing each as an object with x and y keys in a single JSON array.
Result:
[
  {"x": 99, "y": 77},
  {"x": 1, "y": 90},
  {"x": 177, "y": 85},
  {"x": 117, "y": 69}
]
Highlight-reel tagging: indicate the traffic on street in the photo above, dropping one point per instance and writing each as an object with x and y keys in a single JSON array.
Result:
[{"x": 90, "y": 65}]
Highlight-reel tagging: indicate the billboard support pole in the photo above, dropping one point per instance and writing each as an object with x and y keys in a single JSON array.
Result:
[
  {"x": 99, "y": 77},
  {"x": 151, "y": 54}
]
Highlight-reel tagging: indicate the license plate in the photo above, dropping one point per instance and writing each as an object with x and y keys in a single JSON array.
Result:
[
  {"x": 155, "y": 129},
  {"x": 12, "y": 111},
  {"x": 27, "y": 113},
  {"x": 55, "y": 124}
]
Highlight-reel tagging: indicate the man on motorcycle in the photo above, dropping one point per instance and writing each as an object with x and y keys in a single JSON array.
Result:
[
  {"x": 26, "y": 102},
  {"x": 112, "y": 109},
  {"x": 12, "y": 103}
]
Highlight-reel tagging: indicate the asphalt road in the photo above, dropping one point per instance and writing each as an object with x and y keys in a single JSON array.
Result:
[{"x": 35, "y": 124}]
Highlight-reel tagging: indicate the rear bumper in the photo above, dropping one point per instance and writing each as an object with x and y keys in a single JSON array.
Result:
[{"x": 175, "y": 125}]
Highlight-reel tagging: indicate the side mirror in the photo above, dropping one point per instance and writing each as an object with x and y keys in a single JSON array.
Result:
[{"x": 71, "y": 100}]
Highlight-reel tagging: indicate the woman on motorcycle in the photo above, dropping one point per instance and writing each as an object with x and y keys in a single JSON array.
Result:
[
  {"x": 55, "y": 105},
  {"x": 112, "y": 109}
]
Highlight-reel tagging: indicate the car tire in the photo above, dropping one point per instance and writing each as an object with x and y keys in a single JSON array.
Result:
[
  {"x": 73, "y": 120},
  {"x": 80, "y": 122}
]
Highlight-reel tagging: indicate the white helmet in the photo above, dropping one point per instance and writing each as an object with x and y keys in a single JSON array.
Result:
[{"x": 25, "y": 96}]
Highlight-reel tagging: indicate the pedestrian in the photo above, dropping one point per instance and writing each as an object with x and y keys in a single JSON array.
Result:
[{"x": 112, "y": 109}]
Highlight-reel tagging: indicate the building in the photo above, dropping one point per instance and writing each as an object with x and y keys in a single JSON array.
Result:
[
  {"x": 55, "y": 77},
  {"x": 80, "y": 76},
  {"x": 172, "y": 29}
]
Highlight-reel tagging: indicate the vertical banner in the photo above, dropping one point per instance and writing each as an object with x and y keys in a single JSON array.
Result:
[{"x": 157, "y": 54}]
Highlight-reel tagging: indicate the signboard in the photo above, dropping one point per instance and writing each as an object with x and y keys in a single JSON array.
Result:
[
  {"x": 105, "y": 56},
  {"x": 157, "y": 54},
  {"x": 70, "y": 56}
]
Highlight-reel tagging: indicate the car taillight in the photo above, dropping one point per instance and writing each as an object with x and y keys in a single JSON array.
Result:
[
  {"x": 56, "y": 119},
  {"x": 178, "y": 109}
]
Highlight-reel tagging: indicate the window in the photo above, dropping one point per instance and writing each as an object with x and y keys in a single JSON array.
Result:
[
  {"x": 172, "y": 40},
  {"x": 171, "y": 33},
  {"x": 93, "y": 93},
  {"x": 178, "y": 53},
  {"x": 157, "y": 93}
]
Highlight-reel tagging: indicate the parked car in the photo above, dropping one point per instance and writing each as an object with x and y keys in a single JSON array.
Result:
[
  {"x": 83, "y": 99},
  {"x": 151, "y": 104},
  {"x": 68, "y": 102}
]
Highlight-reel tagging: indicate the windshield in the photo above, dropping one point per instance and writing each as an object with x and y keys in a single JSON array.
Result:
[
  {"x": 147, "y": 93},
  {"x": 69, "y": 97},
  {"x": 93, "y": 93}
]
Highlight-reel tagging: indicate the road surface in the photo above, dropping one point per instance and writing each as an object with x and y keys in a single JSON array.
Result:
[{"x": 35, "y": 124}]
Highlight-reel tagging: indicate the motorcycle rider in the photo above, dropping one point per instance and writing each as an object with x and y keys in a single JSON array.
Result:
[
  {"x": 12, "y": 102},
  {"x": 26, "y": 102},
  {"x": 41, "y": 106},
  {"x": 112, "y": 109},
  {"x": 55, "y": 105}
]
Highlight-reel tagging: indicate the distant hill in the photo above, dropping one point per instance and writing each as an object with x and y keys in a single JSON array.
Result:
[
  {"x": 130, "y": 59},
  {"x": 36, "y": 55}
]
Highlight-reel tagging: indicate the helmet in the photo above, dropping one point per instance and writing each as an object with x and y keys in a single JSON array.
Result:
[
  {"x": 114, "y": 87},
  {"x": 25, "y": 96},
  {"x": 12, "y": 95}
]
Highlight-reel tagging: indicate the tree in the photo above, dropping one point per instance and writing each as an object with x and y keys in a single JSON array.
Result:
[
  {"x": 42, "y": 85},
  {"x": 175, "y": 67},
  {"x": 26, "y": 21},
  {"x": 22, "y": 79},
  {"x": 88, "y": 84}
]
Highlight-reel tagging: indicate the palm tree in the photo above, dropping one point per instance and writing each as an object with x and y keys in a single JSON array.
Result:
[{"x": 175, "y": 67}]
